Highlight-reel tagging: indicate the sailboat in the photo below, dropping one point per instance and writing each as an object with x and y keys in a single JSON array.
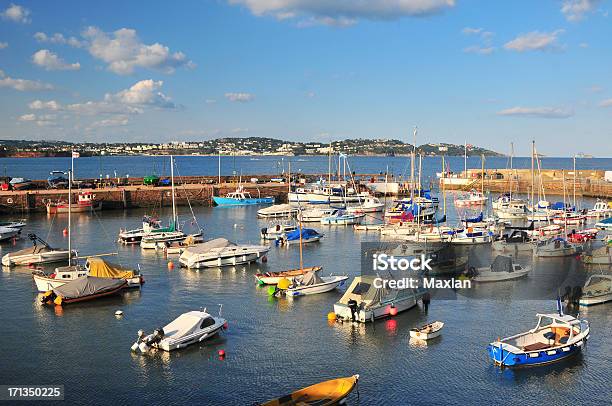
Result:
[{"x": 153, "y": 239}]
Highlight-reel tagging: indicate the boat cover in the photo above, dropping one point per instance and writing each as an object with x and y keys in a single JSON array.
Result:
[
  {"x": 277, "y": 208},
  {"x": 311, "y": 278},
  {"x": 206, "y": 247},
  {"x": 502, "y": 264},
  {"x": 307, "y": 234},
  {"x": 16, "y": 181},
  {"x": 475, "y": 219},
  {"x": 363, "y": 291},
  {"x": 102, "y": 269},
  {"x": 86, "y": 286},
  {"x": 184, "y": 324}
]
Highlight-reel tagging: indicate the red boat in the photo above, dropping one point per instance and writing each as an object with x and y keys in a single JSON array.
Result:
[
  {"x": 583, "y": 235},
  {"x": 86, "y": 202}
]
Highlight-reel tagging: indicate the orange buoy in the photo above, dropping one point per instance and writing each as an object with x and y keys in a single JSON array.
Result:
[
  {"x": 393, "y": 311},
  {"x": 170, "y": 265},
  {"x": 331, "y": 316}
]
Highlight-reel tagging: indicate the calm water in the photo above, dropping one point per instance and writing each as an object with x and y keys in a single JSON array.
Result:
[{"x": 276, "y": 345}]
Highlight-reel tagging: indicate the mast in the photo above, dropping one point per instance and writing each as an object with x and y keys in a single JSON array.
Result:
[
  {"x": 219, "y": 182},
  {"x": 412, "y": 159},
  {"x": 174, "y": 219},
  {"x": 574, "y": 182},
  {"x": 532, "y": 176},
  {"x": 465, "y": 158},
  {"x": 289, "y": 181},
  {"x": 69, "y": 218},
  {"x": 420, "y": 168},
  {"x": 482, "y": 171},
  {"x": 301, "y": 253},
  {"x": 511, "y": 168},
  {"x": 444, "y": 184},
  {"x": 329, "y": 151}
]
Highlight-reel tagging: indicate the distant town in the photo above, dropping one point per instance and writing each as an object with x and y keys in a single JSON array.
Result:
[{"x": 235, "y": 146}]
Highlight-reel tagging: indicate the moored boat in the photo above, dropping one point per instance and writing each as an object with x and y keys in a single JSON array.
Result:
[
  {"x": 41, "y": 253},
  {"x": 502, "y": 269},
  {"x": 221, "y": 252},
  {"x": 473, "y": 198},
  {"x": 278, "y": 210},
  {"x": 241, "y": 197},
  {"x": 272, "y": 278},
  {"x": 306, "y": 235},
  {"x": 310, "y": 283},
  {"x": 83, "y": 289},
  {"x": 7, "y": 233},
  {"x": 327, "y": 393},
  {"x": 86, "y": 202},
  {"x": 605, "y": 224},
  {"x": 428, "y": 331},
  {"x": 341, "y": 217},
  {"x": 556, "y": 247},
  {"x": 596, "y": 290},
  {"x": 277, "y": 231}
]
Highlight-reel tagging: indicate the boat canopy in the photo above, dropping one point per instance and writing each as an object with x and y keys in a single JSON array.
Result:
[
  {"x": 185, "y": 324},
  {"x": 307, "y": 233},
  {"x": 102, "y": 269},
  {"x": 86, "y": 286},
  {"x": 311, "y": 278},
  {"x": 205, "y": 248},
  {"x": 502, "y": 264},
  {"x": 363, "y": 291},
  {"x": 565, "y": 318}
]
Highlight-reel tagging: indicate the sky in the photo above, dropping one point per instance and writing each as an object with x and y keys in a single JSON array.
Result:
[{"x": 486, "y": 72}]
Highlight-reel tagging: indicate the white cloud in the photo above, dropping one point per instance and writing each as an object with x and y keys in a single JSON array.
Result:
[
  {"x": 23, "y": 85},
  {"x": 123, "y": 51},
  {"x": 541, "y": 112},
  {"x": 575, "y": 10},
  {"x": 240, "y": 97},
  {"x": 117, "y": 121},
  {"x": 3, "y": 45},
  {"x": 50, "y": 61},
  {"x": 41, "y": 105},
  {"x": 58, "y": 38},
  {"x": 343, "y": 12},
  {"x": 16, "y": 14},
  {"x": 471, "y": 31},
  {"x": 477, "y": 49},
  {"x": 535, "y": 41},
  {"x": 42, "y": 120},
  {"x": 27, "y": 117},
  {"x": 239, "y": 130},
  {"x": 606, "y": 103},
  {"x": 145, "y": 92}
]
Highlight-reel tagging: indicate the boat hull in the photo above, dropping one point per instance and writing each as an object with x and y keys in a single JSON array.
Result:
[
  {"x": 381, "y": 311},
  {"x": 225, "y": 201},
  {"x": 595, "y": 300},
  {"x": 327, "y": 286},
  {"x": 534, "y": 358},
  {"x": 223, "y": 260},
  {"x": 76, "y": 208},
  {"x": 488, "y": 276},
  {"x": 29, "y": 259}
]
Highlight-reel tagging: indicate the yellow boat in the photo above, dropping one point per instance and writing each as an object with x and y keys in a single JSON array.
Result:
[{"x": 321, "y": 394}]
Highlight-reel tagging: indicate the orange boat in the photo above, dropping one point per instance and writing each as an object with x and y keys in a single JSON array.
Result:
[{"x": 326, "y": 393}]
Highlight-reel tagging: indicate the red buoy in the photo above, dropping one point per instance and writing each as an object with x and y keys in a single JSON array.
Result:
[
  {"x": 170, "y": 265},
  {"x": 65, "y": 231},
  {"x": 393, "y": 311}
]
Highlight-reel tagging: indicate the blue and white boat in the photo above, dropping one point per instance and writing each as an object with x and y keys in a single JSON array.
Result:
[
  {"x": 605, "y": 224},
  {"x": 555, "y": 337},
  {"x": 293, "y": 237},
  {"x": 241, "y": 198},
  {"x": 341, "y": 217}
]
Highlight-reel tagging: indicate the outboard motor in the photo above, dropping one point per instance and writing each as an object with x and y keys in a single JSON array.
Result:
[{"x": 141, "y": 336}]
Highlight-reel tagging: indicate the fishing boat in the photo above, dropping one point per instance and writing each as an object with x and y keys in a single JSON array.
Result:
[
  {"x": 596, "y": 290},
  {"x": 600, "y": 209},
  {"x": 605, "y": 224},
  {"x": 272, "y": 278},
  {"x": 221, "y": 252},
  {"x": 370, "y": 204},
  {"x": 278, "y": 210},
  {"x": 341, "y": 217},
  {"x": 555, "y": 247},
  {"x": 311, "y": 283},
  {"x": 83, "y": 289},
  {"x": 241, "y": 197},
  {"x": 328, "y": 393},
  {"x": 518, "y": 240},
  {"x": 277, "y": 231},
  {"x": 294, "y": 237},
  {"x": 502, "y": 269},
  {"x": 601, "y": 255},
  {"x": 368, "y": 302},
  {"x": 6, "y": 233},
  {"x": 314, "y": 215},
  {"x": 555, "y": 337},
  {"x": 86, "y": 202},
  {"x": 149, "y": 225},
  {"x": 189, "y": 328},
  {"x": 94, "y": 266},
  {"x": 39, "y": 253},
  {"x": 473, "y": 198},
  {"x": 428, "y": 331}
]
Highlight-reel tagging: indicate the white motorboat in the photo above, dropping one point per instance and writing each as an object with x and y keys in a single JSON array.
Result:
[
  {"x": 556, "y": 247},
  {"x": 159, "y": 240},
  {"x": 18, "y": 224},
  {"x": 472, "y": 236},
  {"x": 278, "y": 210},
  {"x": 310, "y": 283},
  {"x": 518, "y": 240},
  {"x": 340, "y": 217},
  {"x": 601, "y": 209},
  {"x": 189, "y": 328},
  {"x": 314, "y": 215},
  {"x": 272, "y": 278},
  {"x": 149, "y": 225},
  {"x": 369, "y": 205},
  {"x": 474, "y": 198},
  {"x": 221, "y": 252},
  {"x": 7, "y": 233},
  {"x": 367, "y": 302},
  {"x": 276, "y": 231},
  {"x": 41, "y": 253},
  {"x": 597, "y": 290},
  {"x": 95, "y": 266},
  {"x": 514, "y": 210},
  {"x": 428, "y": 331},
  {"x": 502, "y": 269}
]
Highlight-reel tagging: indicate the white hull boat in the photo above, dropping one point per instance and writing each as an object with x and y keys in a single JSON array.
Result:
[
  {"x": 7, "y": 233},
  {"x": 342, "y": 219},
  {"x": 601, "y": 255},
  {"x": 502, "y": 269},
  {"x": 278, "y": 210},
  {"x": 189, "y": 328},
  {"x": 326, "y": 284},
  {"x": 428, "y": 331},
  {"x": 369, "y": 205},
  {"x": 35, "y": 255},
  {"x": 221, "y": 252},
  {"x": 314, "y": 215},
  {"x": 276, "y": 231},
  {"x": 597, "y": 290},
  {"x": 153, "y": 241},
  {"x": 556, "y": 247}
]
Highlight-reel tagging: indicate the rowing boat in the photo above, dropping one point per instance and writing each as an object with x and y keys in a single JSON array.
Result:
[{"x": 325, "y": 393}]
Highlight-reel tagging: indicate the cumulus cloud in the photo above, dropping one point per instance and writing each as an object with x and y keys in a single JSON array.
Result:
[
  {"x": 41, "y": 105},
  {"x": 117, "y": 121},
  {"x": 575, "y": 10},
  {"x": 16, "y": 14},
  {"x": 477, "y": 49},
  {"x": 27, "y": 117},
  {"x": 239, "y": 97},
  {"x": 123, "y": 51},
  {"x": 343, "y": 12},
  {"x": 143, "y": 93},
  {"x": 535, "y": 41},
  {"x": 22, "y": 85},
  {"x": 540, "y": 112},
  {"x": 50, "y": 61},
  {"x": 59, "y": 39},
  {"x": 3, "y": 45},
  {"x": 41, "y": 120},
  {"x": 606, "y": 103}
]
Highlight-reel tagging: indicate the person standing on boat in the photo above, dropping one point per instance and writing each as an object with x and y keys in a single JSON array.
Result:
[
  {"x": 426, "y": 299},
  {"x": 352, "y": 304}
]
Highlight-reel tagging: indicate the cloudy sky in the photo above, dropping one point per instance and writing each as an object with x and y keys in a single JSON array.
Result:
[{"x": 488, "y": 72}]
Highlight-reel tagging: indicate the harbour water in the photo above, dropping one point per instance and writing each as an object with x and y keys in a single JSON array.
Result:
[{"x": 274, "y": 345}]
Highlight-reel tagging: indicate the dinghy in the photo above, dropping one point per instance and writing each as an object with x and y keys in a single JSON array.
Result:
[
  {"x": 428, "y": 331},
  {"x": 596, "y": 290},
  {"x": 272, "y": 278},
  {"x": 310, "y": 283},
  {"x": 189, "y": 328},
  {"x": 502, "y": 269},
  {"x": 555, "y": 337},
  {"x": 221, "y": 252},
  {"x": 327, "y": 393},
  {"x": 82, "y": 289}
]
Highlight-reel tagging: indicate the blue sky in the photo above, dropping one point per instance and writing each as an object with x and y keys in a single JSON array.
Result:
[{"x": 489, "y": 72}]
